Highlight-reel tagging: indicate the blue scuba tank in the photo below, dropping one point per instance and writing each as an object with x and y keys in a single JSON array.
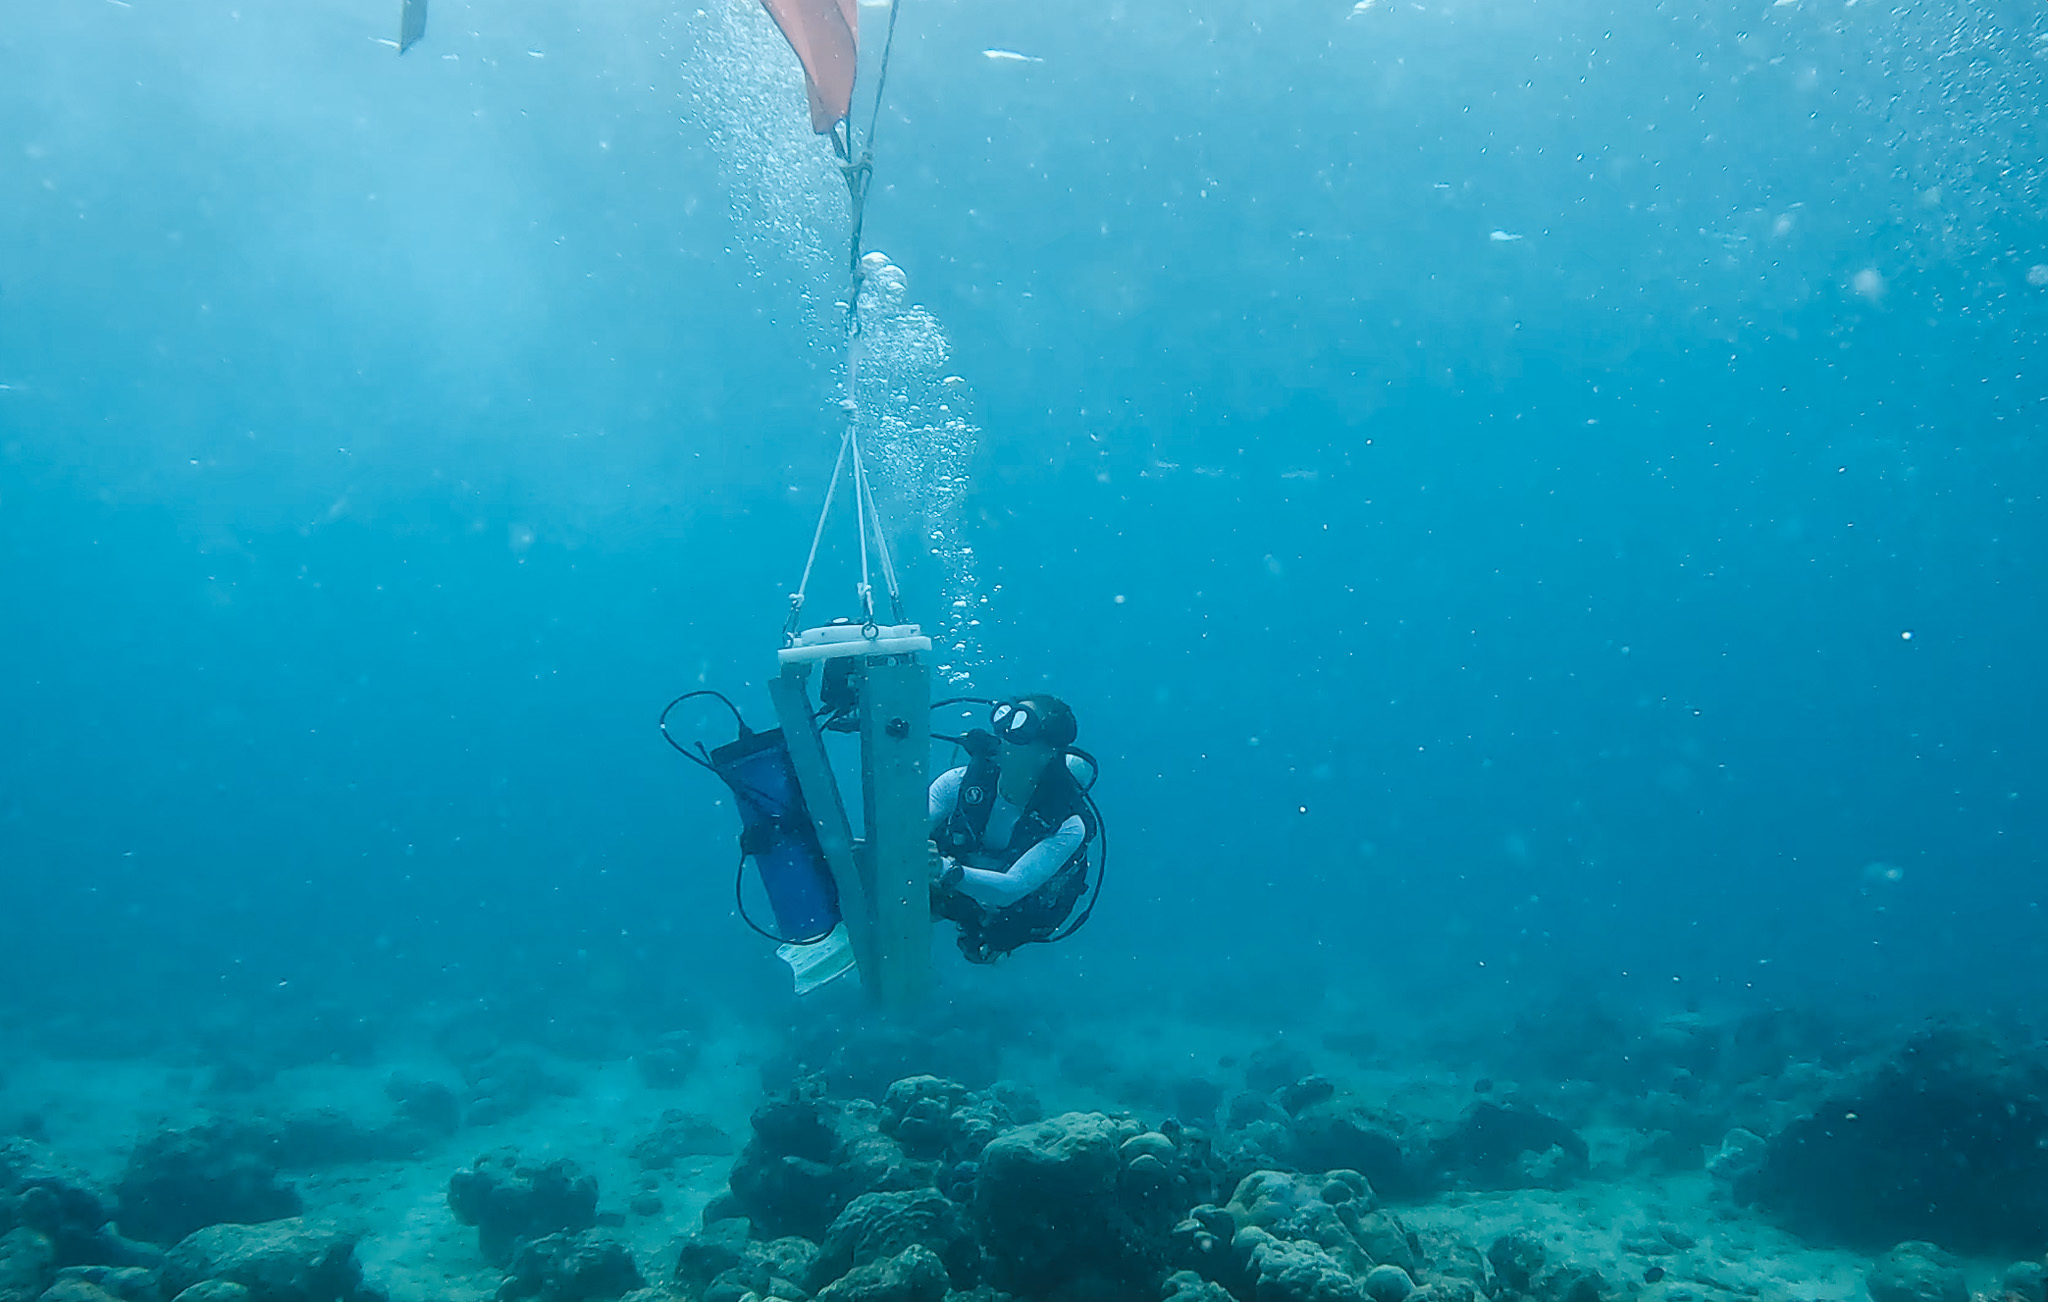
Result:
[{"x": 777, "y": 834}]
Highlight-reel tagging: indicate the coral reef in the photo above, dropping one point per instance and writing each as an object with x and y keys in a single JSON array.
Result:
[
  {"x": 1330, "y": 1135},
  {"x": 1917, "y": 1272},
  {"x": 1324, "y": 1184},
  {"x": 289, "y": 1260},
  {"x": 179, "y": 1181},
  {"x": 233, "y": 1168},
  {"x": 880, "y": 1225},
  {"x": 1080, "y": 1203},
  {"x": 722, "y": 1263},
  {"x": 1509, "y": 1147},
  {"x": 509, "y": 1201},
  {"x": 912, "y": 1275},
  {"x": 1945, "y": 1140},
  {"x": 64, "y": 1207},
  {"x": 28, "y": 1264},
  {"x": 559, "y": 1267},
  {"x": 808, "y": 1158},
  {"x": 678, "y": 1135}
]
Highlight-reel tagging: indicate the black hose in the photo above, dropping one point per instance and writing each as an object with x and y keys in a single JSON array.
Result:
[
  {"x": 1101, "y": 871},
  {"x": 701, "y": 760},
  {"x": 1094, "y": 768},
  {"x": 739, "y": 902}
]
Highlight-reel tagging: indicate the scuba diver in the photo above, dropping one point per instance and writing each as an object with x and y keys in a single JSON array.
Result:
[
  {"x": 1011, "y": 829},
  {"x": 1012, "y": 832},
  {"x": 1001, "y": 846}
]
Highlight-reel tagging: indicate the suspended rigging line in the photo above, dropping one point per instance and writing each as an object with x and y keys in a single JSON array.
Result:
[{"x": 858, "y": 171}]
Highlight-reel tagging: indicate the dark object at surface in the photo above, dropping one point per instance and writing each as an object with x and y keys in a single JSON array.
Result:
[
  {"x": 412, "y": 24},
  {"x": 183, "y": 1180},
  {"x": 1653, "y": 1274},
  {"x": 571, "y": 1268},
  {"x": 1945, "y": 1141},
  {"x": 507, "y": 1201}
]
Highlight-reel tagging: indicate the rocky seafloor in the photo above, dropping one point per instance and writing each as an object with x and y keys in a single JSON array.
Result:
[{"x": 1566, "y": 1157}]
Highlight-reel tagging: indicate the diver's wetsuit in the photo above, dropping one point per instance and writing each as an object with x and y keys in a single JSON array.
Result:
[{"x": 984, "y": 877}]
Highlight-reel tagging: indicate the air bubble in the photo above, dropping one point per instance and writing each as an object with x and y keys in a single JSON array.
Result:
[{"x": 788, "y": 204}]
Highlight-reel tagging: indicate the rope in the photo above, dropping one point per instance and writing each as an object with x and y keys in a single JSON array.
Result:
[
  {"x": 882, "y": 76},
  {"x": 859, "y": 173},
  {"x": 796, "y": 599},
  {"x": 882, "y": 550},
  {"x": 857, "y": 177},
  {"x": 861, "y": 502}
]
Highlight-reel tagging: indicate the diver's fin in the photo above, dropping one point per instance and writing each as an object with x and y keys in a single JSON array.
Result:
[
  {"x": 412, "y": 24},
  {"x": 820, "y": 962}
]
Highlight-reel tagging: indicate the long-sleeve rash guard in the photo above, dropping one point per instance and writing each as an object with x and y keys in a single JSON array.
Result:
[{"x": 987, "y": 881}]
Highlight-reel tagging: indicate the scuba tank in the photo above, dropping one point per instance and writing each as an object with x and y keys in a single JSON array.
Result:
[{"x": 776, "y": 831}]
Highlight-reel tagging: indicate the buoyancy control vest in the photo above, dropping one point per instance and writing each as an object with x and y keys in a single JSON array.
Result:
[{"x": 988, "y": 933}]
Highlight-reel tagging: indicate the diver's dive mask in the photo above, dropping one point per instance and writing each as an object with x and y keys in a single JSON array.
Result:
[{"x": 1022, "y": 724}]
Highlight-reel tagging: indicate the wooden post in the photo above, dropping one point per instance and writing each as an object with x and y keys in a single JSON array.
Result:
[{"x": 895, "y": 748}]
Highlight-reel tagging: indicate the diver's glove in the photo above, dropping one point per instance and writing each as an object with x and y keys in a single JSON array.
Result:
[{"x": 945, "y": 894}]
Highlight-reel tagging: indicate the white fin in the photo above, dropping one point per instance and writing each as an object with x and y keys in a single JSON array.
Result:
[{"x": 820, "y": 962}]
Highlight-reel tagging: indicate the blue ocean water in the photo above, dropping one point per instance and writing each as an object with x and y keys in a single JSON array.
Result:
[{"x": 1536, "y": 505}]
